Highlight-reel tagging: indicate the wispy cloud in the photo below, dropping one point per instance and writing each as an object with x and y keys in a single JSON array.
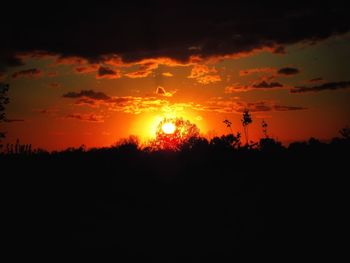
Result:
[
  {"x": 86, "y": 69},
  {"x": 167, "y": 74},
  {"x": 263, "y": 85},
  {"x": 288, "y": 71},
  {"x": 54, "y": 85},
  {"x": 322, "y": 87},
  {"x": 13, "y": 120},
  {"x": 30, "y": 73},
  {"x": 204, "y": 75},
  {"x": 162, "y": 92},
  {"x": 247, "y": 72},
  {"x": 232, "y": 106},
  {"x": 315, "y": 80},
  {"x": 91, "y": 117},
  {"x": 137, "y": 104},
  {"x": 96, "y": 95},
  {"x": 107, "y": 73}
]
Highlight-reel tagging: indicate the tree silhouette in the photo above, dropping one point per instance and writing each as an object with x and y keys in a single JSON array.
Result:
[
  {"x": 246, "y": 120},
  {"x": 3, "y": 101},
  {"x": 183, "y": 132}
]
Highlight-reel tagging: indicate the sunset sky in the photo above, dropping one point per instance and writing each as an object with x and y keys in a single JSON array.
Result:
[{"x": 93, "y": 74}]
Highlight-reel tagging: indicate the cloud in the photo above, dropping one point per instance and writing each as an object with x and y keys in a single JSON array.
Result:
[
  {"x": 231, "y": 106},
  {"x": 325, "y": 86},
  {"x": 288, "y": 71},
  {"x": 236, "y": 88},
  {"x": 8, "y": 58},
  {"x": 204, "y": 75},
  {"x": 70, "y": 60},
  {"x": 30, "y": 73},
  {"x": 52, "y": 74},
  {"x": 127, "y": 104},
  {"x": 86, "y": 69},
  {"x": 315, "y": 80},
  {"x": 263, "y": 85},
  {"x": 107, "y": 73},
  {"x": 207, "y": 79},
  {"x": 280, "y": 50},
  {"x": 199, "y": 71},
  {"x": 285, "y": 71},
  {"x": 138, "y": 74},
  {"x": 161, "y": 91},
  {"x": 87, "y": 94},
  {"x": 13, "y": 120},
  {"x": 147, "y": 66},
  {"x": 54, "y": 85},
  {"x": 288, "y": 108},
  {"x": 178, "y": 31},
  {"x": 138, "y": 105},
  {"x": 52, "y": 111},
  {"x": 85, "y": 117},
  {"x": 144, "y": 70},
  {"x": 167, "y": 74},
  {"x": 35, "y": 54},
  {"x": 247, "y": 72},
  {"x": 266, "y": 85}
]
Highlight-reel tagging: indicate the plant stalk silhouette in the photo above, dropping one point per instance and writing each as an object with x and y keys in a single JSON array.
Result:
[{"x": 246, "y": 120}]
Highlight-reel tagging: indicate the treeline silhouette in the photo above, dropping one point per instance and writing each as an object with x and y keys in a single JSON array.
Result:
[
  {"x": 210, "y": 199},
  {"x": 201, "y": 201}
]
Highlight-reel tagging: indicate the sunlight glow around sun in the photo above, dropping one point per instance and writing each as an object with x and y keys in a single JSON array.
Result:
[{"x": 168, "y": 128}]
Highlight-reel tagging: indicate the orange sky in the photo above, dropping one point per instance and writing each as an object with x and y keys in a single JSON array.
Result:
[{"x": 58, "y": 103}]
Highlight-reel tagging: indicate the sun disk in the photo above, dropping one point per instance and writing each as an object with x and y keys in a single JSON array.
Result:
[{"x": 168, "y": 128}]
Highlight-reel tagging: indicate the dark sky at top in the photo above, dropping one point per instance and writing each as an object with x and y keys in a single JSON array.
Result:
[{"x": 164, "y": 28}]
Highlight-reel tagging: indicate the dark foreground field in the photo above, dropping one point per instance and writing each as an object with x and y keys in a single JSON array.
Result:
[{"x": 203, "y": 202}]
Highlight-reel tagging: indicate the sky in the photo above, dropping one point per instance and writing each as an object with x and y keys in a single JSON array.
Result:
[{"x": 94, "y": 73}]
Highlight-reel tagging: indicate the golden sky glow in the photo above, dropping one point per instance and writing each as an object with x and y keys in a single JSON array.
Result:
[{"x": 73, "y": 102}]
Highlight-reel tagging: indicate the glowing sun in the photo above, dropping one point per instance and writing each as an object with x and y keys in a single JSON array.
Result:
[
  {"x": 173, "y": 132},
  {"x": 168, "y": 128}
]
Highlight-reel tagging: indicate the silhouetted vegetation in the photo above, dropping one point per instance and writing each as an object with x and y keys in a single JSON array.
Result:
[
  {"x": 207, "y": 198},
  {"x": 345, "y": 132},
  {"x": 246, "y": 121},
  {"x": 4, "y": 100},
  {"x": 184, "y": 130},
  {"x": 264, "y": 126},
  {"x": 181, "y": 196}
]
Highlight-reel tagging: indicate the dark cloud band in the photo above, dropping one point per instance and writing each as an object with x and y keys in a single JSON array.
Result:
[{"x": 161, "y": 29}]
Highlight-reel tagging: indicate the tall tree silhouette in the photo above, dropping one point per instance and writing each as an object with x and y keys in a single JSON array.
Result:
[
  {"x": 3, "y": 101},
  {"x": 246, "y": 120}
]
